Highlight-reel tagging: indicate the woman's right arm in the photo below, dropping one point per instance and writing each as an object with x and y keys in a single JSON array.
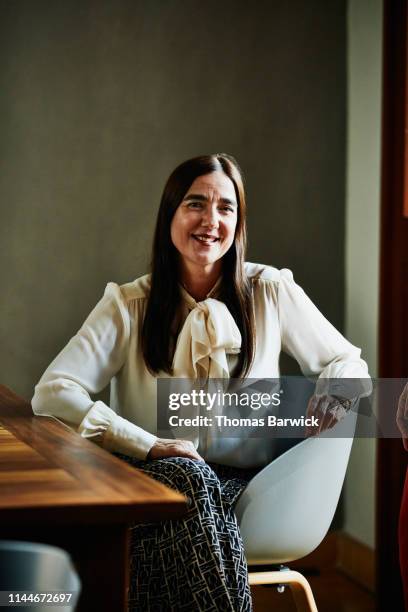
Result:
[{"x": 86, "y": 366}]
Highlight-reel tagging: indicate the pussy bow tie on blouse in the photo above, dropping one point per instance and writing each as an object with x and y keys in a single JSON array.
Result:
[{"x": 208, "y": 335}]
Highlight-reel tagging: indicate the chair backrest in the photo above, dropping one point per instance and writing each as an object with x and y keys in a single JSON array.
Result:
[
  {"x": 287, "y": 508},
  {"x": 29, "y": 566}
]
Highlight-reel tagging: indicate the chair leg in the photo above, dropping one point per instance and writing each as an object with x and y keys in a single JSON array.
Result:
[{"x": 301, "y": 591}]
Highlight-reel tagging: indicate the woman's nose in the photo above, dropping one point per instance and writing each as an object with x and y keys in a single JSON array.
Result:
[{"x": 210, "y": 218}]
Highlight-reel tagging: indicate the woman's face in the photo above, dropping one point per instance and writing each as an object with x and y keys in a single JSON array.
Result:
[{"x": 203, "y": 226}]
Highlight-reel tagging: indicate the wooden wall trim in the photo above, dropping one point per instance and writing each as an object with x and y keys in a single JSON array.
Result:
[
  {"x": 356, "y": 560},
  {"x": 343, "y": 552},
  {"x": 393, "y": 325}
]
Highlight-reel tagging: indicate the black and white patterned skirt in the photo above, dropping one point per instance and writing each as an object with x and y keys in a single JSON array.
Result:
[{"x": 196, "y": 563}]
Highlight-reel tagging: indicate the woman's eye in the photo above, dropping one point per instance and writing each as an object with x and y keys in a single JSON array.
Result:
[
  {"x": 227, "y": 208},
  {"x": 195, "y": 205}
]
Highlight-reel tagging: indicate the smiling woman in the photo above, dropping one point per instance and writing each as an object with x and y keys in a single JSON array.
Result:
[{"x": 203, "y": 313}]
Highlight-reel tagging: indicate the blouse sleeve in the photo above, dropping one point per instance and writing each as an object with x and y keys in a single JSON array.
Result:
[
  {"x": 85, "y": 366},
  {"x": 316, "y": 345}
]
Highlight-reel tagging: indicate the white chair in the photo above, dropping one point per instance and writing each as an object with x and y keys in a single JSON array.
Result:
[
  {"x": 38, "y": 568},
  {"x": 287, "y": 508}
]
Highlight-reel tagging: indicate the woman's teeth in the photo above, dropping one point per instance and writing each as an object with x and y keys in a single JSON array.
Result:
[{"x": 205, "y": 239}]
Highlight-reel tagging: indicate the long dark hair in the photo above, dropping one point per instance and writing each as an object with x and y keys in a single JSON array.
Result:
[{"x": 236, "y": 293}]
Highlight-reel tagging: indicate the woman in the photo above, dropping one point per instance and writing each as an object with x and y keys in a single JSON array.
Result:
[{"x": 202, "y": 313}]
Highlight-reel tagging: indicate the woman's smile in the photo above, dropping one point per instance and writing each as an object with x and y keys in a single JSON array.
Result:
[{"x": 206, "y": 240}]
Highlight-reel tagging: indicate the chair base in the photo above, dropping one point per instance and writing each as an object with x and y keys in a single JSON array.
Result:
[{"x": 301, "y": 591}]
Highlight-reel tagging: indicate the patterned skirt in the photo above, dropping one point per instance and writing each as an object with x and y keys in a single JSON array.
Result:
[{"x": 196, "y": 563}]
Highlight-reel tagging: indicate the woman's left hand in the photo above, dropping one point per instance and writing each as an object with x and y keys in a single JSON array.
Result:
[{"x": 327, "y": 409}]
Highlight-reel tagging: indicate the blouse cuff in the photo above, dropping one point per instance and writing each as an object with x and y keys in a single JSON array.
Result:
[
  {"x": 349, "y": 383},
  {"x": 114, "y": 433}
]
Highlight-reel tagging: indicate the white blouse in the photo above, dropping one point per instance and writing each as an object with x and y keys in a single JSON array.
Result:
[{"x": 107, "y": 348}]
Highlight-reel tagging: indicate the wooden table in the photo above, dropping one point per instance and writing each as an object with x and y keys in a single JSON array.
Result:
[{"x": 58, "y": 488}]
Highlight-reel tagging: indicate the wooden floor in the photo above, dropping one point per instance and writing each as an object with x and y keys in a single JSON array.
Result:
[{"x": 333, "y": 592}]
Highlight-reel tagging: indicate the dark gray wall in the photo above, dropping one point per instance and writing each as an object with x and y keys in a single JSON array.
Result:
[{"x": 99, "y": 100}]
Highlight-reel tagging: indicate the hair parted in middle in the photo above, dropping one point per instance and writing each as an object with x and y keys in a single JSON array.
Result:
[{"x": 165, "y": 295}]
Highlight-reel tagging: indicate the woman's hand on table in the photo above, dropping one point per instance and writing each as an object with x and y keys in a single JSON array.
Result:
[
  {"x": 402, "y": 416},
  {"x": 173, "y": 448},
  {"x": 328, "y": 410}
]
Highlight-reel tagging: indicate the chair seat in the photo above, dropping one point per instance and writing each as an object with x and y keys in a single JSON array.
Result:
[{"x": 287, "y": 508}]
